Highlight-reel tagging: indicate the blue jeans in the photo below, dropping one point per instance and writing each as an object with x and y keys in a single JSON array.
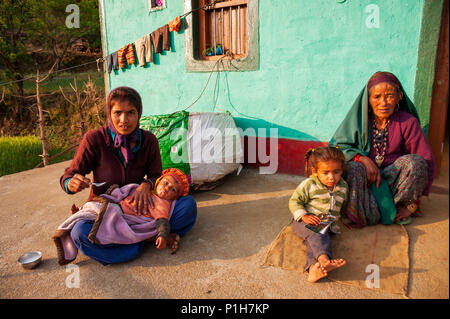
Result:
[
  {"x": 183, "y": 218},
  {"x": 316, "y": 244}
]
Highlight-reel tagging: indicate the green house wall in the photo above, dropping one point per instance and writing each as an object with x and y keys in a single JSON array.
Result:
[{"x": 315, "y": 57}]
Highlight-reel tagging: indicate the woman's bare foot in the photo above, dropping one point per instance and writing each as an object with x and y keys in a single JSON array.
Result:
[
  {"x": 172, "y": 242},
  {"x": 316, "y": 272},
  {"x": 402, "y": 213},
  {"x": 328, "y": 264}
]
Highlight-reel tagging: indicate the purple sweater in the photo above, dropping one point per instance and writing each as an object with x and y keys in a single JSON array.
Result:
[
  {"x": 96, "y": 154},
  {"x": 405, "y": 136}
]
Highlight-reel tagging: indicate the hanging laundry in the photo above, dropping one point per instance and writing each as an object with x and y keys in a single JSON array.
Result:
[
  {"x": 126, "y": 55},
  {"x": 144, "y": 49},
  {"x": 161, "y": 39},
  {"x": 109, "y": 62},
  {"x": 115, "y": 60},
  {"x": 174, "y": 25},
  {"x": 112, "y": 61}
]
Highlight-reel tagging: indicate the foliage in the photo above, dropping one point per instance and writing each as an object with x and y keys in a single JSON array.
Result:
[
  {"x": 22, "y": 153},
  {"x": 49, "y": 29},
  {"x": 77, "y": 111},
  {"x": 14, "y": 58},
  {"x": 14, "y": 16},
  {"x": 62, "y": 124},
  {"x": 34, "y": 33}
]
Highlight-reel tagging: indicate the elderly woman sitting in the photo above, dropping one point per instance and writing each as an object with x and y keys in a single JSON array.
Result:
[{"x": 390, "y": 163}]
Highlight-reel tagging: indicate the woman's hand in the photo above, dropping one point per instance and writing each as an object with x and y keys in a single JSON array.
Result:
[
  {"x": 142, "y": 198},
  {"x": 372, "y": 171},
  {"x": 311, "y": 219},
  {"x": 77, "y": 183}
]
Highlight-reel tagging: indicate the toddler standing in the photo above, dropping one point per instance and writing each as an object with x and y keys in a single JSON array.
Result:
[{"x": 316, "y": 205}]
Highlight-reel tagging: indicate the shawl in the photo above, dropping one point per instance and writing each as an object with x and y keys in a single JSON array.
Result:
[
  {"x": 353, "y": 135},
  {"x": 111, "y": 225}
]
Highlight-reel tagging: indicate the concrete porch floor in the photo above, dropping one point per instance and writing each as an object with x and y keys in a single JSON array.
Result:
[{"x": 219, "y": 258}]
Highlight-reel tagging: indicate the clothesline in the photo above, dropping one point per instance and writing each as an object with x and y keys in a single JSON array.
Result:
[
  {"x": 158, "y": 40},
  {"x": 104, "y": 57},
  {"x": 200, "y": 8}
]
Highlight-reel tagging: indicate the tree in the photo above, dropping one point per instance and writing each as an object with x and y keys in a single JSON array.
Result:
[
  {"x": 14, "y": 16},
  {"x": 51, "y": 30},
  {"x": 29, "y": 25}
]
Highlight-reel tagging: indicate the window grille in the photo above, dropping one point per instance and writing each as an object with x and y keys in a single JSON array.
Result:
[
  {"x": 222, "y": 30},
  {"x": 227, "y": 30}
]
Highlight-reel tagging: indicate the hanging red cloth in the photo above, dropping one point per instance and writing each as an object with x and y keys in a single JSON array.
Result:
[{"x": 174, "y": 25}]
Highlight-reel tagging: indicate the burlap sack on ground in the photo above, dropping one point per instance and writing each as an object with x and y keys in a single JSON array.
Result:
[{"x": 380, "y": 245}]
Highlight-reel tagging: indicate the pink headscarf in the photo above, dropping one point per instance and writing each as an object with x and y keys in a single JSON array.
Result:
[{"x": 380, "y": 77}]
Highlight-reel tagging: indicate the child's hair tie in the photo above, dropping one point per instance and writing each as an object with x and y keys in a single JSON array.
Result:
[{"x": 337, "y": 147}]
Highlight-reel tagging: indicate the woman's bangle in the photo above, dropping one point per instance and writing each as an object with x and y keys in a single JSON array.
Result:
[
  {"x": 412, "y": 207},
  {"x": 356, "y": 158},
  {"x": 148, "y": 181}
]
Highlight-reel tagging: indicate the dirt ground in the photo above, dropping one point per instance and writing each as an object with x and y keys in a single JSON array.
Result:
[{"x": 220, "y": 257}]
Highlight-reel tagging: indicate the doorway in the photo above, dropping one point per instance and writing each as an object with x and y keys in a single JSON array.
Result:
[{"x": 438, "y": 129}]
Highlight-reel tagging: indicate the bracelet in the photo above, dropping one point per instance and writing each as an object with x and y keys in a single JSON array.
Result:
[
  {"x": 163, "y": 227},
  {"x": 356, "y": 158},
  {"x": 412, "y": 207},
  {"x": 148, "y": 181}
]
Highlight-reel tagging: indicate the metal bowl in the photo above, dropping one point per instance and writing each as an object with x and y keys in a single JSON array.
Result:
[{"x": 30, "y": 260}]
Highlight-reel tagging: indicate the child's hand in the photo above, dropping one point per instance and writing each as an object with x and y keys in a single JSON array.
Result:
[
  {"x": 311, "y": 219},
  {"x": 160, "y": 242}
]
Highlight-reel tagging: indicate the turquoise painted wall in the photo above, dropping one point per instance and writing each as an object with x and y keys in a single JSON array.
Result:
[{"x": 315, "y": 57}]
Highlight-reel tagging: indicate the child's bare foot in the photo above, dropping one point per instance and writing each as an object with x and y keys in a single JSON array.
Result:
[
  {"x": 316, "y": 272},
  {"x": 329, "y": 265},
  {"x": 172, "y": 242},
  {"x": 335, "y": 263},
  {"x": 160, "y": 243}
]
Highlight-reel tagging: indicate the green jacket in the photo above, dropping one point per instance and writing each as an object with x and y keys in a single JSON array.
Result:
[{"x": 312, "y": 197}]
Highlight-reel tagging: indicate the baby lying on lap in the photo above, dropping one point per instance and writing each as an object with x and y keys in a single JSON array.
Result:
[
  {"x": 116, "y": 220},
  {"x": 170, "y": 186}
]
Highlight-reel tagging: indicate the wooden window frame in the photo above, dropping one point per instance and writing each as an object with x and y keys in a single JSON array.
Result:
[
  {"x": 156, "y": 8},
  {"x": 223, "y": 25},
  {"x": 195, "y": 41}
]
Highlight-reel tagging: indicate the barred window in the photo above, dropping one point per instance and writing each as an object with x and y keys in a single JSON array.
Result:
[
  {"x": 222, "y": 30},
  {"x": 226, "y": 30}
]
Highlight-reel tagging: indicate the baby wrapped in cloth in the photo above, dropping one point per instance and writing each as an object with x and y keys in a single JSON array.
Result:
[{"x": 116, "y": 221}]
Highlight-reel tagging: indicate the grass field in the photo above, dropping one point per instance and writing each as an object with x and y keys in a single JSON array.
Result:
[
  {"x": 22, "y": 153},
  {"x": 63, "y": 79}
]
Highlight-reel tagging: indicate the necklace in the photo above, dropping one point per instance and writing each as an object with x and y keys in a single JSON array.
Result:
[{"x": 379, "y": 140}]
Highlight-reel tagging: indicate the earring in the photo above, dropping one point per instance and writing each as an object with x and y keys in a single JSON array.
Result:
[{"x": 397, "y": 107}]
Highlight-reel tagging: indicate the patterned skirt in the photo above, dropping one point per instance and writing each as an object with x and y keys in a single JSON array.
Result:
[{"x": 407, "y": 178}]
